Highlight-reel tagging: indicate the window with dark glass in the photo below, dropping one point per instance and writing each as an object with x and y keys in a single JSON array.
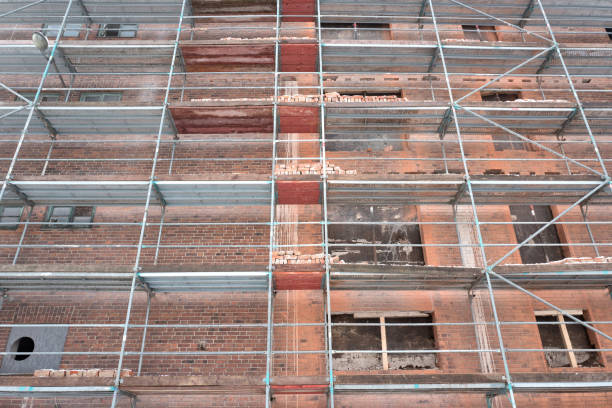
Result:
[
  {"x": 118, "y": 30},
  {"x": 100, "y": 96},
  {"x": 69, "y": 217},
  {"x": 70, "y": 30},
  {"x": 10, "y": 217},
  {"x": 44, "y": 97}
]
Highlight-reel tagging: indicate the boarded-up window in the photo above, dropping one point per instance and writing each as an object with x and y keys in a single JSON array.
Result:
[
  {"x": 542, "y": 248},
  {"x": 562, "y": 333},
  {"x": 383, "y": 332}
]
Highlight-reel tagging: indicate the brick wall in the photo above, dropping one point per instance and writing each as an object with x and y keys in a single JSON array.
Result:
[
  {"x": 293, "y": 307},
  {"x": 445, "y": 306},
  {"x": 203, "y": 127},
  {"x": 439, "y": 234},
  {"x": 513, "y": 306},
  {"x": 557, "y": 400},
  {"x": 453, "y": 307},
  {"x": 110, "y": 308},
  {"x": 213, "y": 239}
]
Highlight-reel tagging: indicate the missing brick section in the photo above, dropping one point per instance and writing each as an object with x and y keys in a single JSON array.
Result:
[
  {"x": 390, "y": 235},
  {"x": 381, "y": 335},
  {"x": 553, "y": 337}
]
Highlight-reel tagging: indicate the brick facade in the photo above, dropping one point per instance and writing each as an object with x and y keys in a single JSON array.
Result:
[{"x": 222, "y": 109}]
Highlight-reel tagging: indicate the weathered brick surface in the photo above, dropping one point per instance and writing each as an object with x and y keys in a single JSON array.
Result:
[
  {"x": 563, "y": 400},
  {"x": 298, "y": 192},
  {"x": 299, "y": 57},
  {"x": 291, "y": 307},
  {"x": 158, "y": 401},
  {"x": 208, "y": 113},
  {"x": 201, "y": 244},
  {"x": 439, "y": 234},
  {"x": 293, "y": 10},
  {"x": 445, "y": 306},
  {"x": 513, "y": 306},
  {"x": 221, "y": 308}
]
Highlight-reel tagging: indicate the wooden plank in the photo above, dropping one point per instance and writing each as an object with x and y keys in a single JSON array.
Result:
[
  {"x": 29, "y": 381},
  {"x": 374, "y": 315},
  {"x": 383, "y": 340},
  {"x": 555, "y": 313},
  {"x": 567, "y": 341},
  {"x": 377, "y": 379}
]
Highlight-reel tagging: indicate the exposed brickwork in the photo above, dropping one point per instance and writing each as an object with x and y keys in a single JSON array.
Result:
[
  {"x": 298, "y": 119},
  {"x": 438, "y": 234},
  {"x": 225, "y": 122},
  {"x": 222, "y": 308},
  {"x": 445, "y": 306},
  {"x": 298, "y": 57},
  {"x": 293, "y": 9},
  {"x": 298, "y": 192},
  {"x": 300, "y": 279}
]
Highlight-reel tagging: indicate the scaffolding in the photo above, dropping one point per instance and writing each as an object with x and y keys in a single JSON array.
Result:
[{"x": 181, "y": 93}]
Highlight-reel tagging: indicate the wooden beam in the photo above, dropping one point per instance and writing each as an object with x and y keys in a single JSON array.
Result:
[
  {"x": 375, "y": 315},
  {"x": 556, "y": 313},
  {"x": 383, "y": 340},
  {"x": 567, "y": 341}
]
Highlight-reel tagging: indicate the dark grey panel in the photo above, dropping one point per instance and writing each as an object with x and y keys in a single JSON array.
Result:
[{"x": 46, "y": 339}]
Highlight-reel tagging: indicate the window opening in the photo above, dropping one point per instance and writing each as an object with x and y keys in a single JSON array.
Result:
[
  {"x": 118, "y": 30},
  {"x": 500, "y": 96},
  {"x": 71, "y": 30},
  {"x": 376, "y": 243},
  {"x": 566, "y": 334},
  {"x": 541, "y": 214},
  {"x": 44, "y": 97},
  {"x": 100, "y": 97},
  {"x": 381, "y": 335},
  {"x": 69, "y": 217},
  {"x": 10, "y": 217},
  {"x": 479, "y": 32},
  {"x": 356, "y": 31}
]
